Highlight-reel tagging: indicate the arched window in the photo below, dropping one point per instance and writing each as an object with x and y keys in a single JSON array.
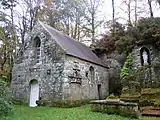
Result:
[
  {"x": 37, "y": 49},
  {"x": 92, "y": 74},
  {"x": 145, "y": 56}
]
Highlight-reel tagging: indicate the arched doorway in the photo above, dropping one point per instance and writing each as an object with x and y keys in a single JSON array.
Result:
[{"x": 34, "y": 93}]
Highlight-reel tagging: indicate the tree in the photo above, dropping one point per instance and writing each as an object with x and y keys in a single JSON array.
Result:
[
  {"x": 91, "y": 15},
  {"x": 10, "y": 4},
  {"x": 147, "y": 31},
  {"x": 3, "y": 51},
  {"x": 33, "y": 8},
  {"x": 64, "y": 15},
  {"x": 114, "y": 40},
  {"x": 23, "y": 22},
  {"x": 135, "y": 11},
  {"x": 113, "y": 13},
  {"x": 6, "y": 51},
  {"x": 129, "y": 10},
  {"x": 10, "y": 41},
  {"x": 150, "y": 8}
]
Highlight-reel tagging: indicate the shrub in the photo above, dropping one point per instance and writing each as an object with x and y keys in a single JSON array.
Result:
[{"x": 5, "y": 101}]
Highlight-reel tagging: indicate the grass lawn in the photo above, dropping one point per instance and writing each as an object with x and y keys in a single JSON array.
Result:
[{"x": 47, "y": 113}]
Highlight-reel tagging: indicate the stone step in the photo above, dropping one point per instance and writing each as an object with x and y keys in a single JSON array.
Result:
[{"x": 152, "y": 113}]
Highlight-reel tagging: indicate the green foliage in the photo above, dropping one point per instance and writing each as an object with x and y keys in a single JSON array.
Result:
[
  {"x": 126, "y": 70},
  {"x": 131, "y": 79},
  {"x": 6, "y": 54},
  {"x": 5, "y": 104},
  {"x": 111, "y": 41},
  {"x": 146, "y": 31}
]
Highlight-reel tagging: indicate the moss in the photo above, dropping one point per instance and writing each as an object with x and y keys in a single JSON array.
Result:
[
  {"x": 112, "y": 96},
  {"x": 118, "y": 108},
  {"x": 131, "y": 96},
  {"x": 148, "y": 97},
  {"x": 63, "y": 104},
  {"x": 18, "y": 102},
  {"x": 151, "y": 91}
]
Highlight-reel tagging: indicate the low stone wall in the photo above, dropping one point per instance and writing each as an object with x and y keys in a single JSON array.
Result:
[
  {"x": 62, "y": 103},
  {"x": 116, "y": 107}
]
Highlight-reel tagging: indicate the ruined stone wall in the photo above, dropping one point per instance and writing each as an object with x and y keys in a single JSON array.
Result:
[
  {"x": 79, "y": 85},
  {"x": 49, "y": 72}
]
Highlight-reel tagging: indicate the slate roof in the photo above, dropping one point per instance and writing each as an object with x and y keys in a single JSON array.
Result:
[{"x": 73, "y": 47}]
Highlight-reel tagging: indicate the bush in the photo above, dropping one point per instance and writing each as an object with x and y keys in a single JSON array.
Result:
[
  {"x": 5, "y": 101},
  {"x": 5, "y": 107}
]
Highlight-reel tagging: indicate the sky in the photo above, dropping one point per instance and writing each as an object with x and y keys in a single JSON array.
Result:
[{"x": 121, "y": 7}]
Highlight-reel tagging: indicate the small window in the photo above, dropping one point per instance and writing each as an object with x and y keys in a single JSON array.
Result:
[
  {"x": 37, "y": 49},
  {"x": 92, "y": 74}
]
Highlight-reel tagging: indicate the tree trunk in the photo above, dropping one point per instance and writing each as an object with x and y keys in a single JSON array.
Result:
[
  {"x": 93, "y": 29},
  {"x": 129, "y": 12},
  {"x": 76, "y": 26},
  {"x": 31, "y": 19},
  {"x": 150, "y": 8},
  {"x": 113, "y": 13},
  {"x": 135, "y": 11},
  {"x": 24, "y": 24},
  {"x": 4, "y": 59}
]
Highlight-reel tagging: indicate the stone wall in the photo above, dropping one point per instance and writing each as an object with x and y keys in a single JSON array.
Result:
[
  {"x": 60, "y": 77},
  {"x": 151, "y": 78},
  {"x": 82, "y": 83},
  {"x": 48, "y": 73},
  {"x": 116, "y": 107},
  {"x": 114, "y": 61}
]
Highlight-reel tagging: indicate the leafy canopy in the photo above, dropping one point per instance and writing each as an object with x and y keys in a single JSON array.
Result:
[{"x": 146, "y": 31}]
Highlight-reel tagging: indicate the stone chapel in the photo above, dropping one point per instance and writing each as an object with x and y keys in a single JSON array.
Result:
[{"x": 53, "y": 66}]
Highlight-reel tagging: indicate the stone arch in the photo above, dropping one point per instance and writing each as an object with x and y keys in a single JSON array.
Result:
[
  {"x": 34, "y": 92},
  {"x": 37, "y": 49},
  {"x": 92, "y": 73},
  {"x": 145, "y": 58}
]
